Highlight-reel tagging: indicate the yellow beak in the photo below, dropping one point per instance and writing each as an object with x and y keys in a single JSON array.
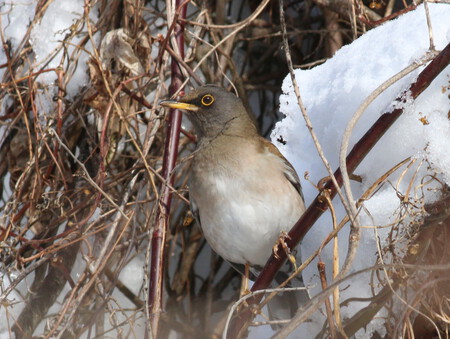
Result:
[{"x": 179, "y": 105}]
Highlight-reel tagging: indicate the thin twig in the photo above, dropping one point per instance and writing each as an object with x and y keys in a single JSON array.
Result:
[
  {"x": 303, "y": 108},
  {"x": 170, "y": 155}
]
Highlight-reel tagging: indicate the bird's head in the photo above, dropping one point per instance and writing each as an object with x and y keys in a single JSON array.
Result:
[{"x": 212, "y": 110}]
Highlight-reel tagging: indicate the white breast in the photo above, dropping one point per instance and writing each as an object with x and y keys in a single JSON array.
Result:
[{"x": 244, "y": 207}]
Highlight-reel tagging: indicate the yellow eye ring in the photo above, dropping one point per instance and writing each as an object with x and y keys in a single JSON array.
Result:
[{"x": 207, "y": 100}]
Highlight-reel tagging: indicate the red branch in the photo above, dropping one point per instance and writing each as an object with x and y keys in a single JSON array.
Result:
[
  {"x": 317, "y": 208},
  {"x": 169, "y": 160}
]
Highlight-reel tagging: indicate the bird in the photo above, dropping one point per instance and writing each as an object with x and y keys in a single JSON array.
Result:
[{"x": 243, "y": 192}]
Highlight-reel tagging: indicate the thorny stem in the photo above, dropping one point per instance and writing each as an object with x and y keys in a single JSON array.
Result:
[
  {"x": 316, "y": 209},
  {"x": 169, "y": 160}
]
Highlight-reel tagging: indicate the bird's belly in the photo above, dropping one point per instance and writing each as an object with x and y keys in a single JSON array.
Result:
[{"x": 242, "y": 223}]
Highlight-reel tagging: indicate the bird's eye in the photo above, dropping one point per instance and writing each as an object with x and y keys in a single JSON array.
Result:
[{"x": 207, "y": 100}]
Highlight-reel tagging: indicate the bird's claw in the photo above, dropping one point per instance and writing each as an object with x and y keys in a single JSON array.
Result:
[{"x": 281, "y": 241}]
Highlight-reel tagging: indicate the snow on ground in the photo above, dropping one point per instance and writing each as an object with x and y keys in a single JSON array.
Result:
[{"x": 332, "y": 93}]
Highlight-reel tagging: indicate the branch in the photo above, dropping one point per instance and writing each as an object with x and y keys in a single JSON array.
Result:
[{"x": 169, "y": 160}]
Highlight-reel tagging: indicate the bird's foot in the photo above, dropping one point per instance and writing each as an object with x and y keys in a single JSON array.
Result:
[{"x": 282, "y": 241}]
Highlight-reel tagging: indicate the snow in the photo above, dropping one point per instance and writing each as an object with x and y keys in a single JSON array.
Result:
[
  {"x": 132, "y": 275},
  {"x": 62, "y": 19},
  {"x": 332, "y": 93},
  {"x": 15, "y": 20}
]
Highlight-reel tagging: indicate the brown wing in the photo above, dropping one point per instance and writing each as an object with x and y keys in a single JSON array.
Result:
[{"x": 289, "y": 170}]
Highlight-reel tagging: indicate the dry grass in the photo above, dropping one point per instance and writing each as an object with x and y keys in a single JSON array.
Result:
[{"x": 84, "y": 178}]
